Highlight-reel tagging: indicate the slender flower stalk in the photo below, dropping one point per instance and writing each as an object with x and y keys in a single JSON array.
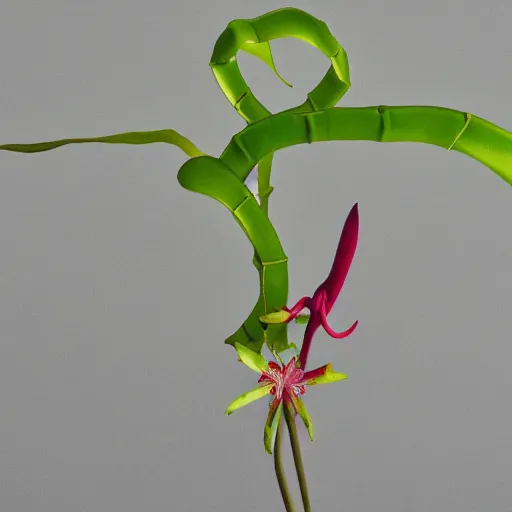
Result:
[
  {"x": 297, "y": 458},
  {"x": 280, "y": 474}
]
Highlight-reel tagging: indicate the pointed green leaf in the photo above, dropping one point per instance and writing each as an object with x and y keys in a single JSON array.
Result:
[
  {"x": 150, "y": 137},
  {"x": 328, "y": 377},
  {"x": 251, "y": 359},
  {"x": 303, "y": 413},
  {"x": 302, "y": 319},
  {"x": 264, "y": 52},
  {"x": 277, "y": 317},
  {"x": 252, "y": 395},
  {"x": 269, "y": 435}
]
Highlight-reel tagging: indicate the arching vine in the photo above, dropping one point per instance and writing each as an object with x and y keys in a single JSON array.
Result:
[{"x": 317, "y": 119}]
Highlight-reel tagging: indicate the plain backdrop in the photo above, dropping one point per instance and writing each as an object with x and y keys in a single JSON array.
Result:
[{"x": 118, "y": 287}]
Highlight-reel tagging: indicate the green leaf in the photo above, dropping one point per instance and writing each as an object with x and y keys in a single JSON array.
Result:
[
  {"x": 264, "y": 52},
  {"x": 251, "y": 396},
  {"x": 328, "y": 377},
  {"x": 303, "y": 413},
  {"x": 269, "y": 435},
  {"x": 302, "y": 319},
  {"x": 150, "y": 137},
  {"x": 251, "y": 359},
  {"x": 277, "y": 317}
]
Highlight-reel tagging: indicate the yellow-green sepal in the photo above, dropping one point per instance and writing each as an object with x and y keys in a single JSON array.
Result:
[
  {"x": 303, "y": 413},
  {"x": 248, "y": 397},
  {"x": 328, "y": 376},
  {"x": 251, "y": 359},
  {"x": 269, "y": 434},
  {"x": 276, "y": 317}
]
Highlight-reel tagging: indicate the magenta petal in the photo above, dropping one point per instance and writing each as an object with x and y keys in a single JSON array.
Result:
[
  {"x": 295, "y": 310},
  {"x": 317, "y": 372},
  {"x": 328, "y": 328},
  {"x": 343, "y": 258},
  {"x": 343, "y": 334}
]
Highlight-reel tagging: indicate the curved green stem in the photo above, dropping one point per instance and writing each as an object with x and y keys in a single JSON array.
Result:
[
  {"x": 280, "y": 474},
  {"x": 287, "y": 22},
  {"x": 253, "y": 35},
  {"x": 264, "y": 187},
  {"x": 447, "y": 128},
  {"x": 208, "y": 175},
  {"x": 222, "y": 179},
  {"x": 297, "y": 457},
  {"x": 450, "y": 129}
]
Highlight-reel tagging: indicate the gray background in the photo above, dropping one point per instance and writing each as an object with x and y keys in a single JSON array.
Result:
[{"x": 117, "y": 287}]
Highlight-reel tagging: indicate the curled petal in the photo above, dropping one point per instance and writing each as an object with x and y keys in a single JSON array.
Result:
[{"x": 328, "y": 328}]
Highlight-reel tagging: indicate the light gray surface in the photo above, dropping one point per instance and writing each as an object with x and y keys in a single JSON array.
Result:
[{"x": 117, "y": 287}]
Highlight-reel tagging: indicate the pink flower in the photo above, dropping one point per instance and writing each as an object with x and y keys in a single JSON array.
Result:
[{"x": 286, "y": 382}]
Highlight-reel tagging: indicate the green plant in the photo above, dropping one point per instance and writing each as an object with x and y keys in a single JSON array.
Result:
[{"x": 223, "y": 178}]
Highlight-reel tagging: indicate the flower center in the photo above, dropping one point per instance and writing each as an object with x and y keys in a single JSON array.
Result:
[{"x": 288, "y": 380}]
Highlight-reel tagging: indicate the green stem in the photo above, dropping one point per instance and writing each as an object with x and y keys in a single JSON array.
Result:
[
  {"x": 286, "y": 22},
  {"x": 281, "y": 478},
  {"x": 222, "y": 179},
  {"x": 207, "y": 175},
  {"x": 447, "y": 128},
  {"x": 264, "y": 187},
  {"x": 297, "y": 457}
]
